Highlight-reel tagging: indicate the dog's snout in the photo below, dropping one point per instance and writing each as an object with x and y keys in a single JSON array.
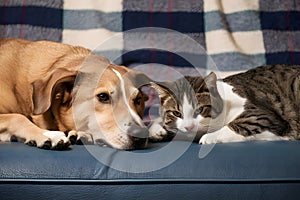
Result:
[
  {"x": 138, "y": 131},
  {"x": 139, "y": 136}
]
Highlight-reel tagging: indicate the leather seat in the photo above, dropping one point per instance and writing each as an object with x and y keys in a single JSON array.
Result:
[{"x": 176, "y": 170}]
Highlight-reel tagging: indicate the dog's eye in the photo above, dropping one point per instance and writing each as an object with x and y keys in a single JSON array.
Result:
[{"x": 103, "y": 98}]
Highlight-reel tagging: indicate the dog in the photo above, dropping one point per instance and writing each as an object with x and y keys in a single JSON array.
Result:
[{"x": 54, "y": 94}]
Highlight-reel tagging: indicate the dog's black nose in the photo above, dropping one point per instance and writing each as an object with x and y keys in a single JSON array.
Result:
[
  {"x": 138, "y": 132},
  {"x": 139, "y": 136}
]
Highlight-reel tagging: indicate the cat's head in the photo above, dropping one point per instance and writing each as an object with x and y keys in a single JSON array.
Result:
[{"x": 189, "y": 103}]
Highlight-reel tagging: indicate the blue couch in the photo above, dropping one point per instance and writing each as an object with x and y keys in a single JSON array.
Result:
[{"x": 252, "y": 170}]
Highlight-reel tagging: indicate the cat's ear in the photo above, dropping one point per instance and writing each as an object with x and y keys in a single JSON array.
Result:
[
  {"x": 163, "y": 90},
  {"x": 211, "y": 81},
  {"x": 216, "y": 100}
]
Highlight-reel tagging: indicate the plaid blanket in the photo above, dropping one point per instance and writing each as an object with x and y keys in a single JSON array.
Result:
[{"x": 227, "y": 35}]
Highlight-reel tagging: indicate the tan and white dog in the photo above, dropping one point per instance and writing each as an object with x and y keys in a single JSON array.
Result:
[{"x": 49, "y": 89}]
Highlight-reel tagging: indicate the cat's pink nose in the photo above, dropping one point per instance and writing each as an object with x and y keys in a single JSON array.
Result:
[{"x": 190, "y": 127}]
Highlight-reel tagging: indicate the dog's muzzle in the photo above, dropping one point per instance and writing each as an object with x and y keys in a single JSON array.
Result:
[{"x": 139, "y": 136}]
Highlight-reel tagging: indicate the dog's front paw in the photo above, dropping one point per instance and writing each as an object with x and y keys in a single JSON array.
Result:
[
  {"x": 79, "y": 137},
  {"x": 58, "y": 140},
  {"x": 43, "y": 143},
  {"x": 48, "y": 140},
  {"x": 72, "y": 136}
]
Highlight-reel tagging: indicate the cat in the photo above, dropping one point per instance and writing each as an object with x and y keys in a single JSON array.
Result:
[{"x": 262, "y": 103}]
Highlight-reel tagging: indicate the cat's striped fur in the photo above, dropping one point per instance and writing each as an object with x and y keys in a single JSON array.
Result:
[
  {"x": 273, "y": 100},
  {"x": 260, "y": 104}
]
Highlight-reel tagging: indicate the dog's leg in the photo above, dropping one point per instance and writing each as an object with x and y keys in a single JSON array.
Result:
[{"x": 20, "y": 127}]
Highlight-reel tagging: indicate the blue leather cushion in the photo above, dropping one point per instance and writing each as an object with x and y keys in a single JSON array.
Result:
[{"x": 233, "y": 170}]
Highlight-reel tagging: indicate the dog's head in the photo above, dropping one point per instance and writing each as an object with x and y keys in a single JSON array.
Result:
[
  {"x": 119, "y": 107},
  {"x": 100, "y": 99}
]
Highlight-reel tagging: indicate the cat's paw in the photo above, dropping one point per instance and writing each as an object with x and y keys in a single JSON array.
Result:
[
  {"x": 157, "y": 133},
  {"x": 208, "y": 139},
  {"x": 223, "y": 135}
]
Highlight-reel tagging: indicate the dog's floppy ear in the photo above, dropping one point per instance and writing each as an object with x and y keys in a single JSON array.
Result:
[{"x": 43, "y": 88}]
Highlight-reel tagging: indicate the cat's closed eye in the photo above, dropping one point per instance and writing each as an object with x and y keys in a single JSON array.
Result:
[
  {"x": 174, "y": 113},
  {"x": 177, "y": 114},
  {"x": 197, "y": 112}
]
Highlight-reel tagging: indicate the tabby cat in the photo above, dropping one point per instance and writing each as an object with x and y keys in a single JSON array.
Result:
[{"x": 260, "y": 104}]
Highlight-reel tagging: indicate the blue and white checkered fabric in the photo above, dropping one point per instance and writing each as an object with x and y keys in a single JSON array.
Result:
[{"x": 237, "y": 35}]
